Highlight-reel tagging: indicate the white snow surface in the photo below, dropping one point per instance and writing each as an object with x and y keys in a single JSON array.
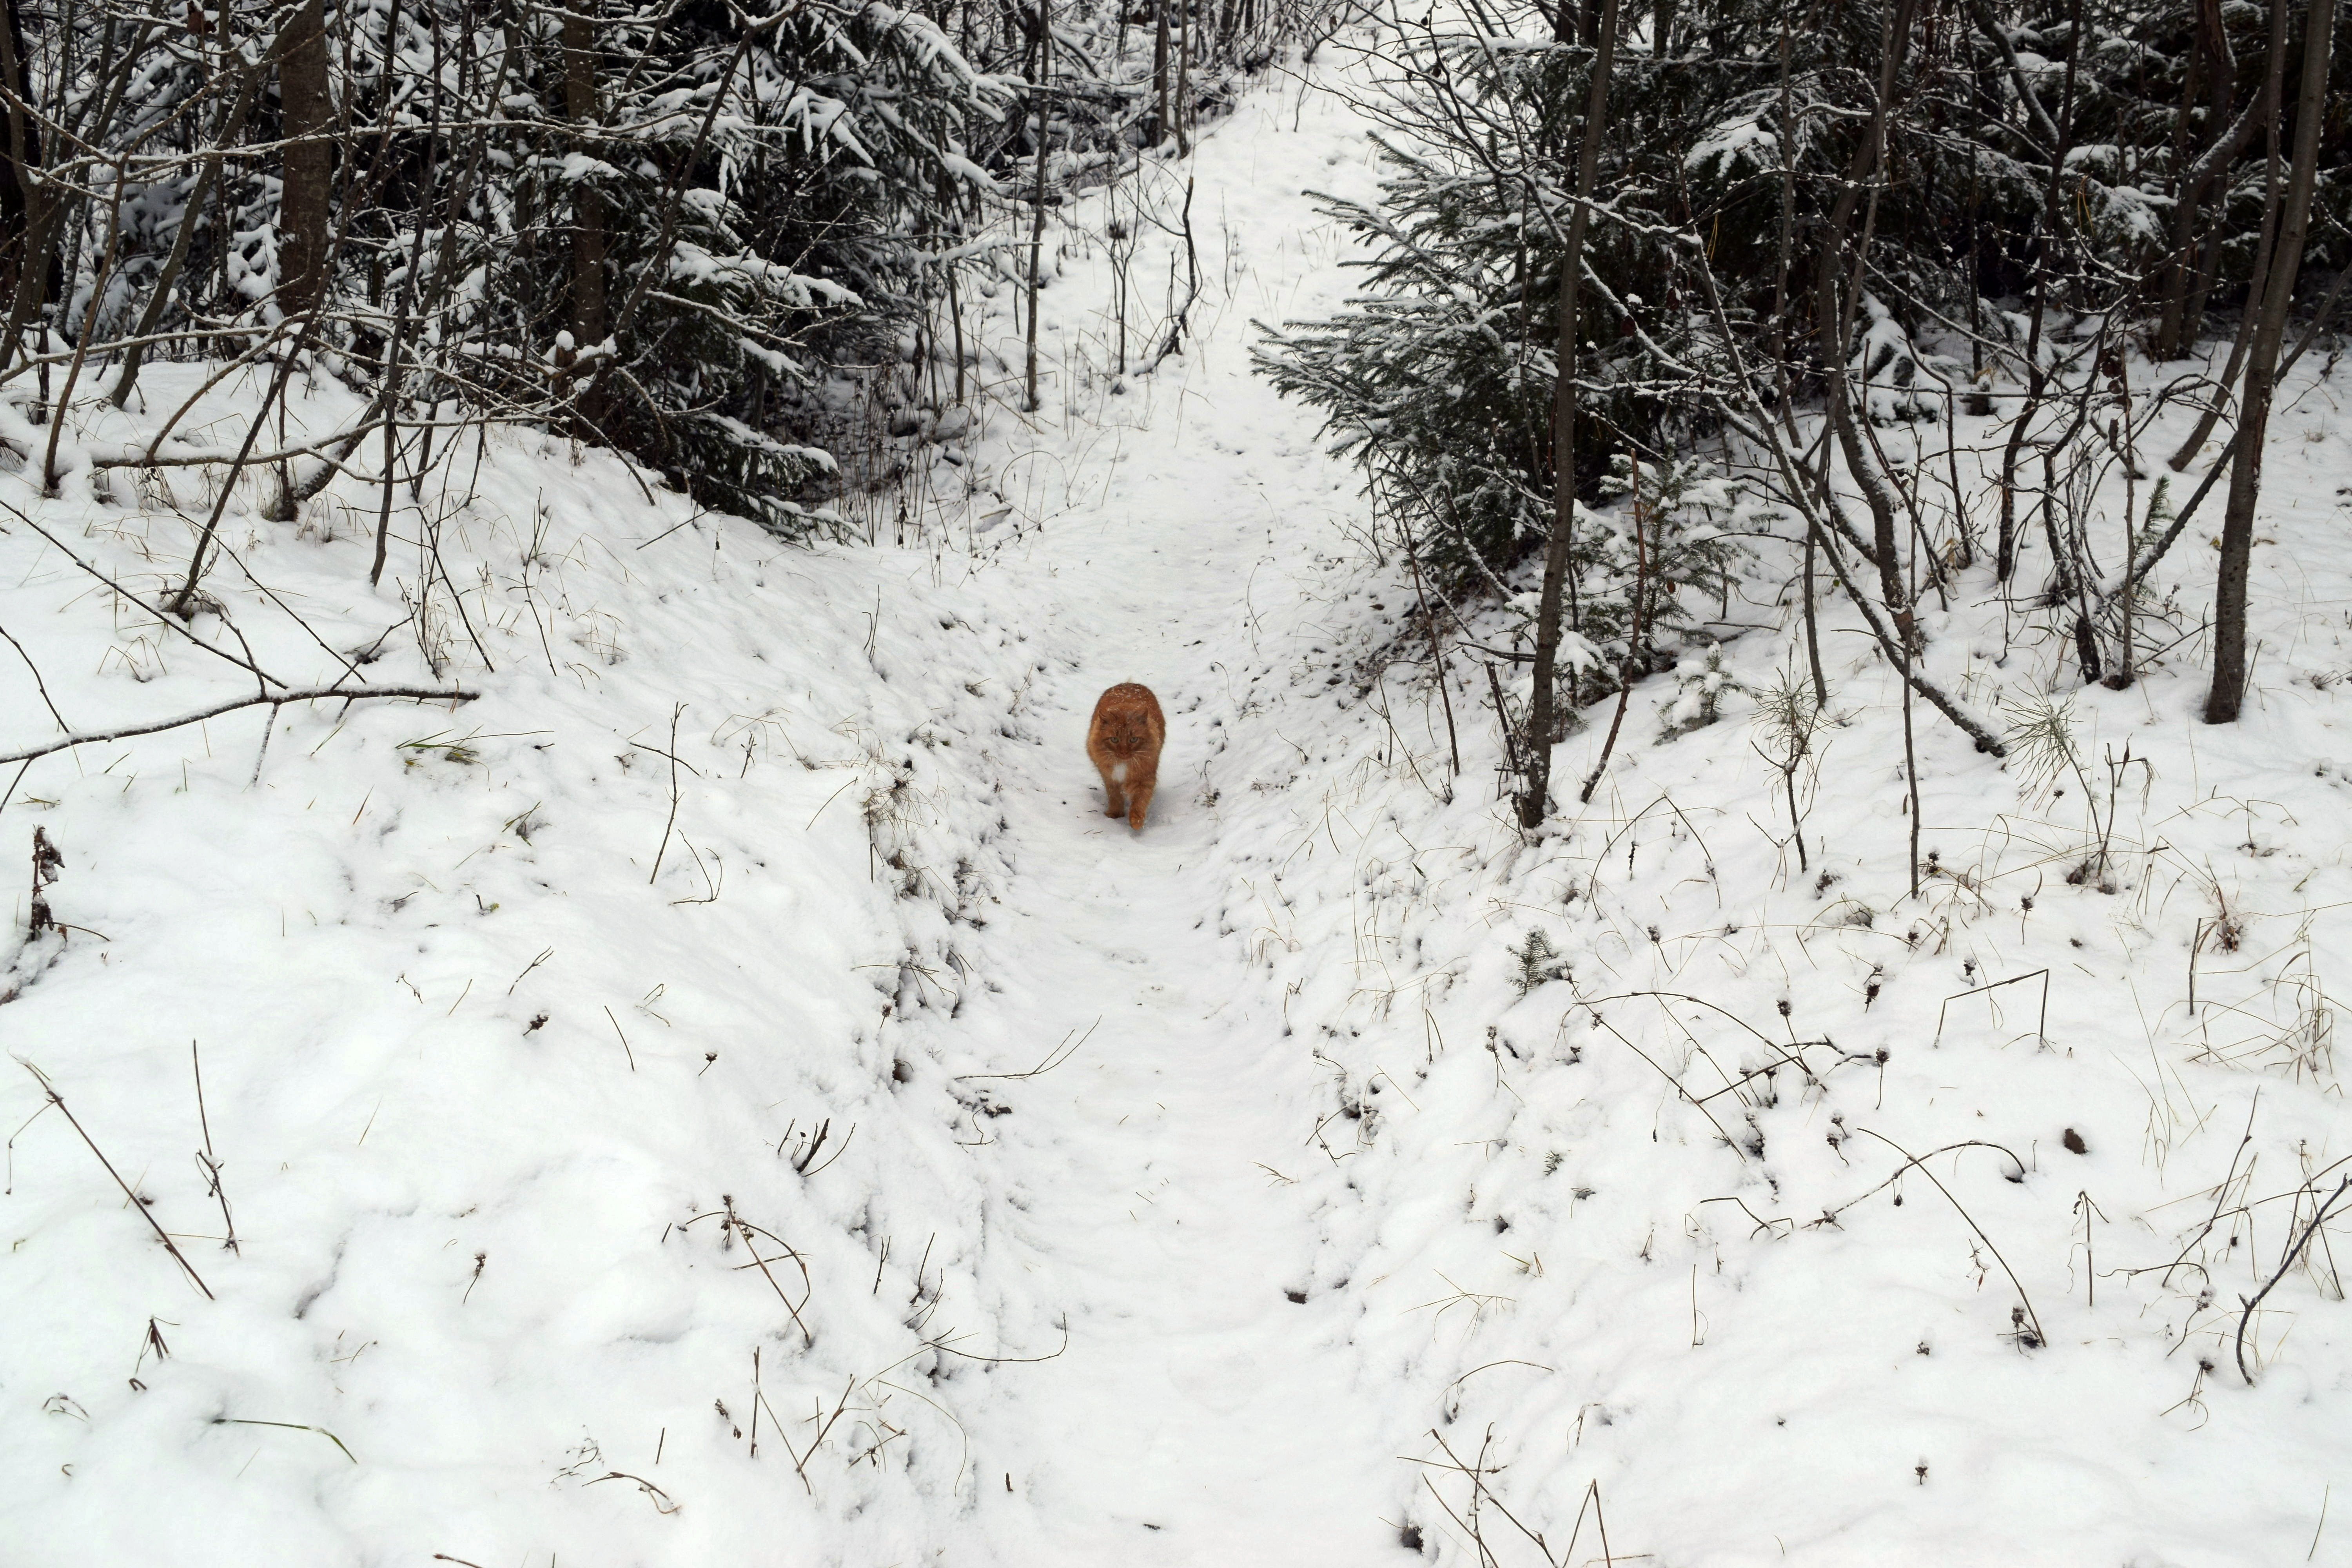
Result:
[{"x": 1206, "y": 1196}]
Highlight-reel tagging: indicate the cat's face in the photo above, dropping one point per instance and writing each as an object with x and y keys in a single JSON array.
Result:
[{"x": 1126, "y": 735}]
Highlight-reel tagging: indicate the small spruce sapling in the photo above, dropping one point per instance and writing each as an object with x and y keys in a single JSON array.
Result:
[
  {"x": 1701, "y": 684},
  {"x": 1539, "y": 962}
]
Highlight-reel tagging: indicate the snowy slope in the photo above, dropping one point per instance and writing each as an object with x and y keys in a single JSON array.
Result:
[{"x": 1210, "y": 1192}]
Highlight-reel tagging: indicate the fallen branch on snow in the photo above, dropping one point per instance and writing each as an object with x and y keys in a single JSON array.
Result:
[{"x": 274, "y": 700}]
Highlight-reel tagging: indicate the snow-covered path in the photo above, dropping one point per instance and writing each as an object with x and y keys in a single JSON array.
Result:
[
  {"x": 1205, "y": 1409},
  {"x": 1198, "y": 1414}
]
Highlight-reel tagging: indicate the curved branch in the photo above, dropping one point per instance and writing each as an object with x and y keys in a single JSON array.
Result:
[
  {"x": 1918, "y": 1161},
  {"x": 2284, "y": 1264}
]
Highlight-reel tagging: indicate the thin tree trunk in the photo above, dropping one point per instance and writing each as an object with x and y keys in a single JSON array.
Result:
[
  {"x": 21, "y": 153},
  {"x": 2121, "y": 676},
  {"x": 2213, "y": 61},
  {"x": 30, "y": 207},
  {"x": 589, "y": 312},
  {"x": 2037, "y": 379},
  {"x": 1779, "y": 337},
  {"x": 1535, "y": 795},
  {"x": 309, "y": 160},
  {"x": 1184, "y": 78},
  {"x": 1159, "y": 72},
  {"x": 1814, "y": 625},
  {"x": 2152, "y": 548},
  {"x": 1038, "y": 194},
  {"x": 1832, "y": 313},
  {"x": 2222, "y": 704},
  {"x": 2211, "y": 170},
  {"x": 2273, "y": 97}
]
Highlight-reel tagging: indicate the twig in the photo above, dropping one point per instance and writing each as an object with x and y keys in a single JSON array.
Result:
[
  {"x": 1502, "y": 719},
  {"x": 2342, "y": 1187},
  {"x": 658, "y": 1497},
  {"x": 676, "y": 708},
  {"x": 745, "y": 1228},
  {"x": 1436, "y": 650},
  {"x": 37, "y": 682},
  {"x": 800, "y": 1467},
  {"x": 1911, "y": 1161},
  {"x": 759, "y": 1398},
  {"x": 2041, "y": 1029},
  {"x": 169, "y": 1245},
  {"x": 1693, "y": 1099},
  {"x": 942, "y": 1345},
  {"x": 295, "y": 1426},
  {"x": 625, "y": 1039},
  {"x": 838, "y": 1151},
  {"x": 527, "y": 968},
  {"x": 1181, "y": 322},
  {"x": 171, "y": 623},
  {"x": 211, "y": 1166},
  {"x": 1626, "y": 673},
  {"x": 1053, "y": 1057}
]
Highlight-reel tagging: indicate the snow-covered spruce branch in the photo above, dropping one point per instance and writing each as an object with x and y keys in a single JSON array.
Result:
[
  {"x": 1753, "y": 429},
  {"x": 273, "y": 700}
]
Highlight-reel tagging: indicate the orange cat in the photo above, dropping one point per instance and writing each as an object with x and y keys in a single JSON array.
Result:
[{"x": 1124, "y": 741}]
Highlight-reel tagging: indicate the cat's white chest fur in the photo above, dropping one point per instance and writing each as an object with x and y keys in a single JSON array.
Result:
[{"x": 1118, "y": 774}]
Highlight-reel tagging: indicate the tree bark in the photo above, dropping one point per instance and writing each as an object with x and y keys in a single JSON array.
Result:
[
  {"x": 1183, "y": 78},
  {"x": 2222, "y": 703},
  {"x": 1159, "y": 72},
  {"x": 1535, "y": 794},
  {"x": 307, "y": 164},
  {"x": 589, "y": 317},
  {"x": 30, "y": 207},
  {"x": 21, "y": 154}
]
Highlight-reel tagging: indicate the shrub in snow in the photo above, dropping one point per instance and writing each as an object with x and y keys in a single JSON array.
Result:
[
  {"x": 1538, "y": 962},
  {"x": 1896, "y": 381},
  {"x": 1701, "y": 684}
]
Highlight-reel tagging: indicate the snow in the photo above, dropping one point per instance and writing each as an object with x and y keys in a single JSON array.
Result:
[{"x": 1189, "y": 1198}]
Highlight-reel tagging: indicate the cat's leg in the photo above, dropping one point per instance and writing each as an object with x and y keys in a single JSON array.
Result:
[
  {"x": 1140, "y": 804},
  {"x": 1114, "y": 797}
]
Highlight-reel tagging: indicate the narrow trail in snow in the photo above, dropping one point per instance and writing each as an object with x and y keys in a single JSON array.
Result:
[
  {"x": 1199, "y": 1415},
  {"x": 1192, "y": 1417}
]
